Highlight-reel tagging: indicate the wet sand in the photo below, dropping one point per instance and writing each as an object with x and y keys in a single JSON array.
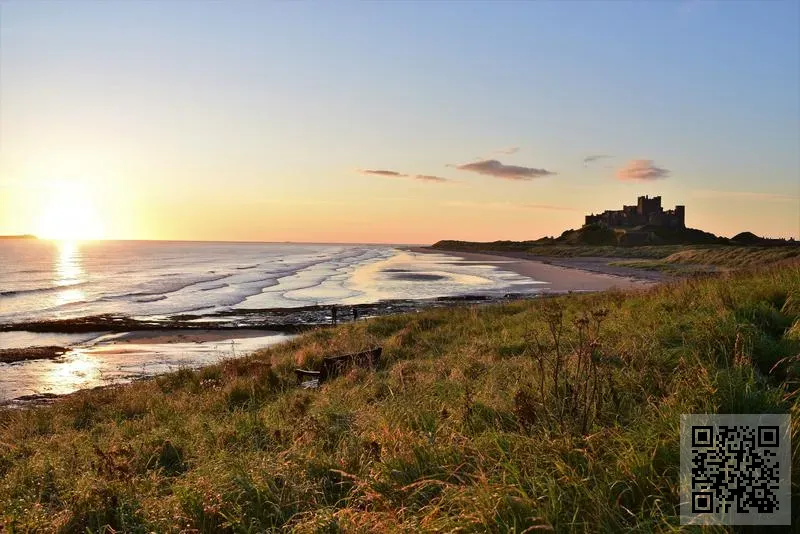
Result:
[
  {"x": 121, "y": 358},
  {"x": 162, "y": 337},
  {"x": 579, "y": 275}
]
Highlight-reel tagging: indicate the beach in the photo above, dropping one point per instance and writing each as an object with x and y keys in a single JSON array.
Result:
[{"x": 559, "y": 274}]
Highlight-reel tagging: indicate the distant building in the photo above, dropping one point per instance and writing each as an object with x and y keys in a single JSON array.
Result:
[{"x": 647, "y": 211}]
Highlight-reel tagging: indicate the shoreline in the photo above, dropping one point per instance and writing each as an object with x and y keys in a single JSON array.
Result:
[
  {"x": 119, "y": 358},
  {"x": 285, "y": 320},
  {"x": 120, "y": 340},
  {"x": 561, "y": 275}
]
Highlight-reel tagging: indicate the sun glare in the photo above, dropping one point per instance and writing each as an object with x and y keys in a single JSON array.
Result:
[{"x": 69, "y": 214}]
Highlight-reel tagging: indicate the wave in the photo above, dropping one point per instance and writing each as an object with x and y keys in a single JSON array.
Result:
[
  {"x": 150, "y": 298},
  {"x": 15, "y": 292},
  {"x": 212, "y": 288},
  {"x": 158, "y": 287},
  {"x": 143, "y": 284}
]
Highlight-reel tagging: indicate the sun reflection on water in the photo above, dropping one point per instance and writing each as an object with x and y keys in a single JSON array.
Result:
[
  {"x": 68, "y": 272},
  {"x": 78, "y": 370}
]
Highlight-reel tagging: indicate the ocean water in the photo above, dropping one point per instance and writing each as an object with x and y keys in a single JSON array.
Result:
[{"x": 44, "y": 280}]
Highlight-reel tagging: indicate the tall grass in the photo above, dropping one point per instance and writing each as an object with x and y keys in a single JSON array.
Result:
[
  {"x": 556, "y": 414},
  {"x": 662, "y": 256}
]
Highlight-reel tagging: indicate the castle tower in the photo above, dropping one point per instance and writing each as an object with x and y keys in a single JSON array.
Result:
[
  {"x": 680, "y": 214},
  {"x": 646, "y": 205}
]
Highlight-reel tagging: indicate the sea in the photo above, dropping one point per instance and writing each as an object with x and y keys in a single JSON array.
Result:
[{"x": 50, "y": 280}]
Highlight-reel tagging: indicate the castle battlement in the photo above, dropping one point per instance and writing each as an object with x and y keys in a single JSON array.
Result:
[{"x": 646, "y": 211}]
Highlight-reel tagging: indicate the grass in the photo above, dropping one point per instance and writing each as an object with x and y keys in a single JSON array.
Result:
[
  {"x": 559, "y": 414},
  {"x": 664, "y": 267},
  {"x": 735, "y": 257},
  {"x": 699, "y": 259},
  {"x": 565, "y": 250},
  {"x": 606, "y": 251},
  {"x": 719, "y": 255}
]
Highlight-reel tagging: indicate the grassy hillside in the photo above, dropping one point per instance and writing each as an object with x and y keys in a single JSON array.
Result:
[
  {"x": 729, "y": 257},
  {"x": 716, "y": 255},
  {"x": 596, "y": 235},
  {"x": 559, "y": 413},
  {"x": 560, "y": 250},
  {"x": 684, "y": 246}
]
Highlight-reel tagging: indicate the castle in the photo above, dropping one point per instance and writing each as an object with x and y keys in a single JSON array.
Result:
[{"x": 647, "y": 211}]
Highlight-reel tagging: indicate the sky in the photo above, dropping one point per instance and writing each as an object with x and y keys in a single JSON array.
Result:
[{"x": 394, "y": 122}]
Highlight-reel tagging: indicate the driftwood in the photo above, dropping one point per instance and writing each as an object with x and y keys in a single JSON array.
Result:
[{"x": 335, "y": 365}]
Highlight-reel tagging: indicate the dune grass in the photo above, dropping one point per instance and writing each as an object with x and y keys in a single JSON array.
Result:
[
  {"x": 652, "y": 252},
  {"x": 720, "y": 257},
  {"x": 559, "y": 414},
  {"x": 565, "y": 250},
  {"x": 659, "y": 256},
  {"x": 735, "y": 257}
]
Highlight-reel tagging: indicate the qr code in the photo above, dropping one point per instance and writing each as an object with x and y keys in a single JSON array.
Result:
[{"x": 735, "y": 469}]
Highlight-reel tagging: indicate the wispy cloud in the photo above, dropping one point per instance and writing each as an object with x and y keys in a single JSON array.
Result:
[
  {"x": 382, "y": 172},
  {"x": 510, "y": 150},
  {"x": 506, "y": 205},
  {"x": 394, "y": 174},
  {"x": 492, "y": 167},
  {"x": 429, "y": 178},
  {"x": 747, "y": 195},
  {"x": 641, "y": 170},
  {"x": 595, "y": 157}
]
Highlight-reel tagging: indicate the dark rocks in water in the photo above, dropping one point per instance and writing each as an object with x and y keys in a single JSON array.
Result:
[
  {"x": 30, "y": 353},
  {"x": 38, "y": 397},
  {"x": 418, "y": 277},
  {"x": 464, "y": 298},
  {"x": 287, "y": 320}
]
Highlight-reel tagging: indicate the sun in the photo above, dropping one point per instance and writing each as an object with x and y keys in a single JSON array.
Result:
[{"x": 68, "y": 213}]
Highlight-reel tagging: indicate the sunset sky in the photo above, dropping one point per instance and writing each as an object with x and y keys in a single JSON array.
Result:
[{"x": 396, "y": 121}]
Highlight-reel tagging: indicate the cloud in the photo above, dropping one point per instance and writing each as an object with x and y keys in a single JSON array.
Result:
[
  {"x": 492, "y": 167},
  {"x": 381, "y": 172},
  {"x": 394, "y": 174},
  {"x": 642, "y": 170},
  {"x": 510, "y": 150},
  {"x": 429, "y": 178},
  {"x": 590, "y": 159}
]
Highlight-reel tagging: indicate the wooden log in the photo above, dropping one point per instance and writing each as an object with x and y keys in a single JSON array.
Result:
[{"x": 335, "y": 365}]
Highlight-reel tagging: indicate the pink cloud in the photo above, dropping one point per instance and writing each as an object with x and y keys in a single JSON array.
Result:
[
  {"x": 492, "y": 167},
  {"x": 641, "y": 170}
]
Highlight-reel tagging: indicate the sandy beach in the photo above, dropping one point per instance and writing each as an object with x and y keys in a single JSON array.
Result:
[
  {"x": 160, "y": 337},
  {"x": 570, "y": 274}
]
